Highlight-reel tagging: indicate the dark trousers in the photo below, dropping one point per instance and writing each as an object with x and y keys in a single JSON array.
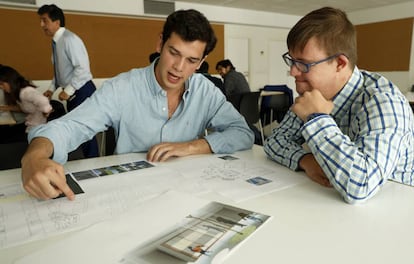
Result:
[{"x": 89, "y": 148}]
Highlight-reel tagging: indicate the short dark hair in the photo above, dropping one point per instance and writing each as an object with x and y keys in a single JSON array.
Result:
[
  {"x": 153, "y": 56},
  {"x": 54, "y": 12},
  {"x": 203, "y": 67},
  {"x": 225, "y": 64},
  {"x": 190, "y": 25},
  {"x": 331, "y": 28}
]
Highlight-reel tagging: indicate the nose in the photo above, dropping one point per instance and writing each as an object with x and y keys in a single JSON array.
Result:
[
  {"x": 294, "y": 71},
  {"x": 179, "y": 64}
]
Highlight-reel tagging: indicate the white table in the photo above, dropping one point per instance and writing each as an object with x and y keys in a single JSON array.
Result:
[
  {"x": 270, "y": 93},
  {"x": 311, "y": 224}
]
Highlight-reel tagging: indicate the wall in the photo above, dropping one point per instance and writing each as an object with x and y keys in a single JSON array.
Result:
[
  {"x": 114, "y": 44},
  {"x": 258, "y": 37},
  {"x": 403, "y": 79},
  {"x": 238, "y": 22}
]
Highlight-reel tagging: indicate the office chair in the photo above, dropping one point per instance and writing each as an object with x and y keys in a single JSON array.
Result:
[
  {"x": 235, "y": 100},
  {"x": 249, "y": 108},
  {"x": 110, "y": 141},
  {"x": 274, "y": 107},
  {"x": 11, "y": 154}
]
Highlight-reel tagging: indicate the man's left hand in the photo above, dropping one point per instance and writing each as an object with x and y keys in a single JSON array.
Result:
[{"x": 166, "y": 150}]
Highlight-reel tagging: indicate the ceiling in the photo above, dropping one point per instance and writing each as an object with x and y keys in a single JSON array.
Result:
[{"x": 297, "y": 7}]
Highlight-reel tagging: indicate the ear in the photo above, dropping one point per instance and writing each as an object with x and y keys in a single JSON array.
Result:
[
  {"x": 159, "y": 44},
  {"x": 342, "y": 62}
]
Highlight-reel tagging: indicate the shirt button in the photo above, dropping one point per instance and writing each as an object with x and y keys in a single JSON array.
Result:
[{"x": 163, "y": 109}]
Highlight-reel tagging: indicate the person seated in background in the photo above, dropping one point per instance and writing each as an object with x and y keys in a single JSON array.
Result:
[
  {"x": 217, "y": 81},
  {"x": 22, "y": 96},
  {"x": 163, "y": 109},
  {"x": 357, "y": 125},
  {"x": 234, "y": 81}
]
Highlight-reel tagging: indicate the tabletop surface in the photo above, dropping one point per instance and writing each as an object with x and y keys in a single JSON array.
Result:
[{"x": 310, "y": 223}]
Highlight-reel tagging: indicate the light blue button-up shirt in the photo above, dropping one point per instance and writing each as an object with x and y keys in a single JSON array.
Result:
[
  {"x": 136, "y": 106},
  {"x": 72, "y": 65},
  {"x": 366, "y": 140}
]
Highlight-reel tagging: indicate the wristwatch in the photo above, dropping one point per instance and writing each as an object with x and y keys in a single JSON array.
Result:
[{"x": 314, "y": 115}]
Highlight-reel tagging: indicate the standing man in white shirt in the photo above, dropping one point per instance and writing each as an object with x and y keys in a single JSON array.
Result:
[{"x": 71, "y": 66}]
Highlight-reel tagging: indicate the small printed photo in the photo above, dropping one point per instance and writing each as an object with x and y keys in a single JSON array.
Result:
[
  {"x": 110, "y": 170},
  {"x": 137, "y": 165},
  {"x": 228, "y": 157},
  {"x": 258, "y": 180},
  {"x": 83, "y": 175},
  {"x": 73, "y": 185}
]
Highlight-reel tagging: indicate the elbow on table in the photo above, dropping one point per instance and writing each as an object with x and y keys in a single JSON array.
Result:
[{"x": 360, "y": 197}]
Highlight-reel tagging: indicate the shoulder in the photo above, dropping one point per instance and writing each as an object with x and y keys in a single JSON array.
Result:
[
  {"x": 375, "y": 84},
  {"x": 69, "y": 37},
  {"x": 199, "y": 86},
  {"x": 198, "y": 81},
  {"x": 133, "y": 78},
  {"x": 234, "y": 75},
  {"x": 28, "y": 91}
]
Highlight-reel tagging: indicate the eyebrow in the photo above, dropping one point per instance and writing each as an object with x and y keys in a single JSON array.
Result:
[{"x": 192, "y": 58}]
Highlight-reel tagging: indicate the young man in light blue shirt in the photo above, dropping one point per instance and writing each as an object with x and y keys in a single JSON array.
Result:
[{"x": 162, "y": 109}]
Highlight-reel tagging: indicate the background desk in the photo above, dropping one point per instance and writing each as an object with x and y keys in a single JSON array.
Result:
[
  {"x": 6, "y": 118},
  {"x": 311, "y": 224}
]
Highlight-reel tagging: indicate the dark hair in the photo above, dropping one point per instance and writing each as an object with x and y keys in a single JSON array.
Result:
[
  {"x": 225, "y": 64},
  {"x": 190, "y": 25},
  {"x": 54, "y": 13},
  {"x": 203, "y": 67},
  {"x": 16, "y": 82},
  {"x": 331, "y": 28},
  {"x": 153, "y": 56}
]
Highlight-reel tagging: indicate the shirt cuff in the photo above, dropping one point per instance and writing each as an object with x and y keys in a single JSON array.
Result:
[
  {"x": 314, "y": 115},
  {"x": 69, "y": 90},
  {"x": 52, "y": 87}
]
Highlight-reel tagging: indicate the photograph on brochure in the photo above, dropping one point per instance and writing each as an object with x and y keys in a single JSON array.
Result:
[{"x": 210, "y": 234}]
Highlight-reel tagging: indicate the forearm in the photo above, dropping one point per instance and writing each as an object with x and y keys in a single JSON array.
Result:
[
  {"x": 39, "y": 148},
  {"x": 199, "y": 146},
  {"x": 351, "y": 169},
  {"x": 285, "y": 144},
  {"x": 230, "y": 140}
]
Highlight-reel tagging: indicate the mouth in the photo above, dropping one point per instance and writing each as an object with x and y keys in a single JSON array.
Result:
[{"x": 173, "y": 78}]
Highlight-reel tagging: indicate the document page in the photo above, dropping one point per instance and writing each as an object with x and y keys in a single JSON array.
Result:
[
  {"x": 233, "y": 177},
  {"x": 24, "y": 219}
]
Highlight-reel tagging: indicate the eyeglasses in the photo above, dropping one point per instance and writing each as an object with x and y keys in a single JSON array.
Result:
[{"x": 305, "y": 67}]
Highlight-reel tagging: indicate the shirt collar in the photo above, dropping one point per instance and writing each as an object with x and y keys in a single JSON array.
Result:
[
  {"x": 155, "y": 87},
  {"x": 58, "y": 34}
]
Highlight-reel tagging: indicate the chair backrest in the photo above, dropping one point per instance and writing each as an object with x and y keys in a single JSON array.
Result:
[
  {"x": 280, "y": 88},
  {"x": 278, "y": 103},
  {"x": 110, "y": 141},
  {"x": 235, "y": 100},
  {"x": 11, "y": 154},
  {"x": 249, "y": 107}
]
